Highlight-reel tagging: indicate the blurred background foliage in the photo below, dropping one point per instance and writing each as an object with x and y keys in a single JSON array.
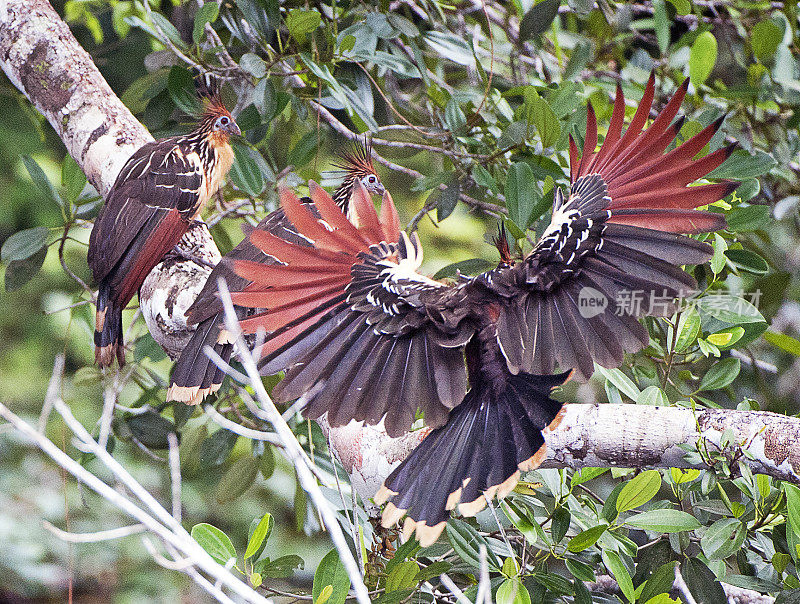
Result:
[{"x": 470, "y": 107}]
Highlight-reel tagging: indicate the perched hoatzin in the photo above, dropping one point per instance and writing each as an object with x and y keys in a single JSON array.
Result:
[
  {"x": 364, "y": 336},
  {"x": 159, "y": 192},
  {"x": 195, "y": 375}
]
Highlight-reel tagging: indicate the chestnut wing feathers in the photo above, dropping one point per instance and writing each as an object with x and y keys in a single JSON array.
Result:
[{"x": 161, "y": 176}]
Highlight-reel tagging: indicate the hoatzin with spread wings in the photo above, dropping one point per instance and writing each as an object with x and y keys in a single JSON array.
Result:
[
  {"x": 196, "y": 375},
  {"x": 159, "y": 192},
  {"x": 364, "y": 336}
]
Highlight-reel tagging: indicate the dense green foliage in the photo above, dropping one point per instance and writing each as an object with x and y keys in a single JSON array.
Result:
[{"x": 470, "y": 107}]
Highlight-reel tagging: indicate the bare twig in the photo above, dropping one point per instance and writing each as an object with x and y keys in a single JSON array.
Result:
[
  {"x": 293, "y": 450},
  {"x": 96, "y": 536}
]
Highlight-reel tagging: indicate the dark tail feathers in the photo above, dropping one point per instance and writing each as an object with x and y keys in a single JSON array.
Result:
[
  {"x": 108, "y": 343},
  {"x": 196, "y": 375},
  {"x": 489, "y": 439}
]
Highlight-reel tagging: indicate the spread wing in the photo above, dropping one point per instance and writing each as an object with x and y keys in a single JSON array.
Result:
[
  {"x": 350, "y": 319},
  {"x": 158, "y": 189},
  {"x": 613, "y": 250}
]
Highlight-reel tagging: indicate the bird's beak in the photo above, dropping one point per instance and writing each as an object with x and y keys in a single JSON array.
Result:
[
  {"x": 233, "y": 129},
  {"x": 380, "y": 189}
]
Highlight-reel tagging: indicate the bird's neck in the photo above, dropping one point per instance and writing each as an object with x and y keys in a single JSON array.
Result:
[
  {"x": 216, "y": 154},
  {"x": 341, "y": 196}
]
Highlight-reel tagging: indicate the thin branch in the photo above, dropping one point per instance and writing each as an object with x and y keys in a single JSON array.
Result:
[
  {"x": 223, "y": 421},
  {"x": 97, "y": 536},
  {"x": 53, "y": 392},
  {"x": 175, "y": 535},
  {"x": 293, "y": 450},
  {"x": 175, "y": 475}
]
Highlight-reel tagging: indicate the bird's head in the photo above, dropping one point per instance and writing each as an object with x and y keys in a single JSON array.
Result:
[
  {"x": 356, "y": 163},
  {"x": 215, "y": 120}
]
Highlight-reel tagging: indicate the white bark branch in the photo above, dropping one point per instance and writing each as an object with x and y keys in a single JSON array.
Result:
[
  {"x": 625, "y": 436},
  {"x": 43, "y": 59}
]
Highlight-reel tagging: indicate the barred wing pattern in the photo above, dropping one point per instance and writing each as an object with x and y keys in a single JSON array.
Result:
[
  {"x": 351, "y": 326},
  {"x": 615, "y": 240},
  {"x": 362, "y": 335}
]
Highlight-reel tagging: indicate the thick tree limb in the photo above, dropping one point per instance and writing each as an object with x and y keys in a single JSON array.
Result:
[
  {"x": 625, "y": 436},
  {"x": 43, "y": 59}
]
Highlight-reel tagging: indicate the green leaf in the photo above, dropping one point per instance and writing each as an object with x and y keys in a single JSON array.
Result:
[
  {"x": 748, "y": 261},
  {"x": 24, "y": 244},
  {"x": 403, "y": 576},
  {"x": 621, "y": 381},
  {"x": 718, "y": 259},
  {"x": 520, "y": 519},
  {"x": 473, "y": 266},
  {"x": 538, "y": 19},
  {"x": 150, "y": 429},
  {"x": 301, "y": 22},
  {"x": 331, "y": 573},
  {"x": 664, "y": 521},
  {"x": 19, "y": 272},
  {"x": 784, "y": 342},
  {"x": 793, "y": 507},
  {"x": 539, "y": 113},
  {"x": 144, "y": 89},
  {"x": 466, "y": 541},
  {"x": 580, "y": 570},
  {"x": 447, "y": 198},
  {"x": 639, "y": 490},
  {"x": 586, "y": 474},
  {"x": 741, "y": 165},
  {"x": 38, "y": 177},
  {"x": 254, "y": 65},
  {"x": 726, "y": 338},
  {"x": 207, "y": 13},
  {"x": 580, "y": 57},
  {"x": 653, "y": 396},
  {"x": 267, "y": 462},
  {"x": 72, "y": 178},
  {"x": 701, "y": 582},
  {"x": 260, "y": 535},
  {"x": 216, "y": 448},
  {"x": 237, "y": 479},
  {"x": 521, "y": 194},
  {"x": 279, "y": 568},
  {"x": 180, "y": 85},
  {"x": 702, "y": 58},
  {"x": 145, "y": 347},
  {"x": 748, "y": 218},
  {"x": 216, "y": 543},
  {"x": 304, "y": 150},
  {"x": 245, "y": 173},
  {"x": 660, "y": 582},
  {"x": 730, "y": 309},
  {"x": 721, "y": 374},
  {"x": 613, "y": 563},
  {"x": 661, "y": 24},
  {"x": 765, "y": 37},
  {"x": 453, "y": 116},
  {"x": 586, "y": 539},
  {"x": 723, "y": 538},
  {"x": 512, "y": 591},
  {"x": 682, "y": 7},
  {"x": 683, "y": 475},
  {"x": 560, "y": 523},
  {"x": 167, "y": 28},
  {"x": 192, "y": 439}
]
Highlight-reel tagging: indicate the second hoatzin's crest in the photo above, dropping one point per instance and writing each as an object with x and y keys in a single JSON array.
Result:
[
  {"x": 355, "y": 164},
  {"x": 363, "y": 335},
  {"x": 196, "y": 375}
]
